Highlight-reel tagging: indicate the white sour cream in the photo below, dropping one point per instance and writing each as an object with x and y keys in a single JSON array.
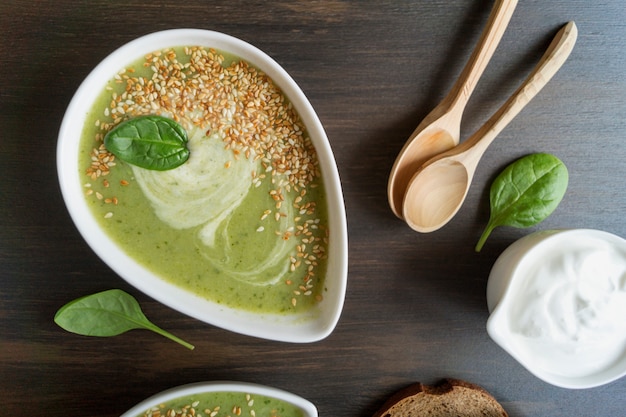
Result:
[{"x": 568, "y": 314}]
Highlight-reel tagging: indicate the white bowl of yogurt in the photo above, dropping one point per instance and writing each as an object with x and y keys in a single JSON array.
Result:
[
  {"x": 224, "y": 398},
  {"x": 249, "y": 234},
  {"x": 558, "y": 305}
]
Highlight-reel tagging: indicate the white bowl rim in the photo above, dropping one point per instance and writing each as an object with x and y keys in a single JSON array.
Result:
[
  {"x": 290, "y": 328},
  {"x": 545, "y": 237},
  {"x": 307, "y": 407}
]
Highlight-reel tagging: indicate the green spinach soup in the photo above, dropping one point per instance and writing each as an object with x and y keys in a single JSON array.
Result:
[
  {"x": 243, "y": 222},
  {"x": 222, "y": 404}
]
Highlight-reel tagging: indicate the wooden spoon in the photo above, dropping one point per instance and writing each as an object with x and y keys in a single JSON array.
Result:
[
  {"x": 440, "y": 130},
  {"x": 438, "y": 189}
]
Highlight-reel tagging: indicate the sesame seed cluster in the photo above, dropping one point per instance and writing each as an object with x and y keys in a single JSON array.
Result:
[
  {"x": 238, "y": 102},
  {"x": 255, "y": 120}
]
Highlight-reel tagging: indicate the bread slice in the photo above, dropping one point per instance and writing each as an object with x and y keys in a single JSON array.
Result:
[{"x": 450, "y": 398}]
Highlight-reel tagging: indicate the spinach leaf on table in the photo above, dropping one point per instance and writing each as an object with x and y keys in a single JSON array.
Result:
[
  {"x": 150, "y": 142},
  {"x": 107, "y": 313},
  {"x": 526, "y": 192}
]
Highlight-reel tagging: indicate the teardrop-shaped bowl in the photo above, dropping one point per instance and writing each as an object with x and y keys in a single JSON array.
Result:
[{"x": 294, "y": 325}]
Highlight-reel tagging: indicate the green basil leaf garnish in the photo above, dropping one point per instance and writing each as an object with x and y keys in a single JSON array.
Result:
[
  {"x": 526, "y": 193},
  {"x": 107, "y": 313},
  {"x": 151, "y": 142}
]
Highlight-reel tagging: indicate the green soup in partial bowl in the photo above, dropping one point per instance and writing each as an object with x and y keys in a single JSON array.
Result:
[
  {"x": 224, "y": 398},
  {"x": 248, "y": 234}
]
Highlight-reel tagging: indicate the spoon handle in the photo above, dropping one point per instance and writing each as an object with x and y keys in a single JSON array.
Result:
[
  {"x": 551, "y": 61},
  {"x": 496, "y": 25}
]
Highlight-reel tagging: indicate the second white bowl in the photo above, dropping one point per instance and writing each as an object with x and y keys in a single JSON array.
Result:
[
  {"x": 558, "y": 301},
  {"x": 247, "y": 392}
]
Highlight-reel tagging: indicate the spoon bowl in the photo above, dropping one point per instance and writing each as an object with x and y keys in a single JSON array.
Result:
[
  {"x": 438, "y": 189},
  {"x": 440, "y": 130},
  {"x": 437, "y": 194}
]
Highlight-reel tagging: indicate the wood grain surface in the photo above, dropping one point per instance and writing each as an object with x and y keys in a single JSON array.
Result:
[{"x": 415, "y": 308}]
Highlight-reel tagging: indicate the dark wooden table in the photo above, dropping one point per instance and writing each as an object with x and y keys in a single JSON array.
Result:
[{"x": 415, "y": 308}]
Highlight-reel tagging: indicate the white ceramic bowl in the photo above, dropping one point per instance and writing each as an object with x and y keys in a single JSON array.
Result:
[
  {"x": 314, "y": 325},
  {"x": 513, "y": 294},
  {"x": 308, "y": 409}
]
